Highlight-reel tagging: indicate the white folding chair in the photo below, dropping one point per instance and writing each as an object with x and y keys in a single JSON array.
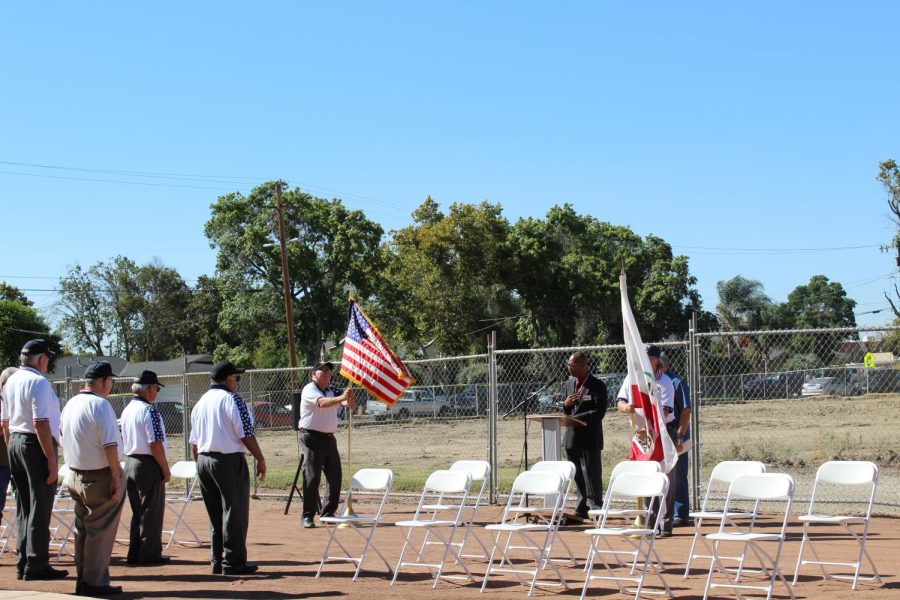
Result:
[
  {"x": 625, "y": 508},
  {"x": 63, "y": 514},
  {"x": 438, "y": 514},
  {"x": 768, "y": 487},
  {"x": 480, "y": 472},
  {"x": 635, "y": 541},
  {"x": 364, "y": 480},
  {"x": 186, "y": 470},
  {"x": 719, "y": 481},
  {"x": 8, "y": 529},
  {"x": 537, "y": 537},
  {"x": 622, "y": 510},
  {"x": 840, "y": 474},
  {"x": 566, "y": 469}
]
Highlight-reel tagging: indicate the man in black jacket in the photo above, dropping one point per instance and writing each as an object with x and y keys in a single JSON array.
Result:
[{"x": 585, "y": 400}]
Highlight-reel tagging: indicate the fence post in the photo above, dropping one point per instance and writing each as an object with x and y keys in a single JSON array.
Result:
[
  {"x": 694, "y": 377},
  {"x": 253, "y": 412},
  {"x": 492, "y": 415},
  {"x": 185, "y": 422}
]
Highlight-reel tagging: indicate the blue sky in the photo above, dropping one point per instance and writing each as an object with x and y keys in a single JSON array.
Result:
[{"x": 746, "y": 134}]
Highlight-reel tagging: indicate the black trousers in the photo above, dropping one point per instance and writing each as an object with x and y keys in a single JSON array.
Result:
[
  {"x": 147, "y": 497},
  {"x": 225, "y": 485},
  {"x": 588, "y": 478},
  {"x": 321, "y": 454},
  {"x": 34, "y": 501}
]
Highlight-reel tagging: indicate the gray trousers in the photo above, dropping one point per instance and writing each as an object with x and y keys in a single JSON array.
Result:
[
  {"x": 225, "y": 485},
  {"x": 147, "y": 498},
  {"x": 96, "y": 522},
  {"x": 320, "y": 453},
  {"x": 34, "y": 501}
]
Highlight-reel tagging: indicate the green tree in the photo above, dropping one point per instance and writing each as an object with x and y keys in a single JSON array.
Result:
[
  {"x": 819, "y": 304},
  {"x": 20, "y": 322},
  {"x": 565, "y": 271},
  {"x": 122, "y": 309},
  {"x": 444, "y": 279},
  {"x": 11, "y": 292},
  {"x": 338, "y": 250}
]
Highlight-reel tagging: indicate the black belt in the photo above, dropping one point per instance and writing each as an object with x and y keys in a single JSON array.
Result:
[
  {"x": 314, "y": 432},
  {"x": 88, "y": 471},
  {"x": 22, "y": 433}
]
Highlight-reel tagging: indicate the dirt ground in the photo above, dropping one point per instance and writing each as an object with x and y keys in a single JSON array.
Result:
[{"x": 289, "y": 555}]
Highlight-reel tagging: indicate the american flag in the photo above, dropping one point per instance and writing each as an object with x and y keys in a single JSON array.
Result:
[{"x": 367, "y": 361}]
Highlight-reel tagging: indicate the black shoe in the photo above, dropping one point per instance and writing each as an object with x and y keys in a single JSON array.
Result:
[
  {"x": 244, "y": 569},
  {"x": 664, "y": 534},
  {"x": 162, "y": 560},
  {"x": 19, "y": 575},
  {"x": 584, "y": 516},
  {"x": 99, "y": 590},
  {"x": 217, "y": 568},
  {"x": 307, "y": 522},
  {"x": 45, "y": 574},
  {"x": 682, "y": 523}
]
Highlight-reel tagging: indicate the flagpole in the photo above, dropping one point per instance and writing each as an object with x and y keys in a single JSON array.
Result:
[{"x": 348, "y": 510}]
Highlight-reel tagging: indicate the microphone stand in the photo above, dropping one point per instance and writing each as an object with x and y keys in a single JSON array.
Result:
[{"x": 524, "y": 405}]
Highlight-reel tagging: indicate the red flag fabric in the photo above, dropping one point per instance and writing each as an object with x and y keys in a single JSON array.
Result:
[
  {"x": 369, "y": 362},
  {"x": 651, "y": 441}
]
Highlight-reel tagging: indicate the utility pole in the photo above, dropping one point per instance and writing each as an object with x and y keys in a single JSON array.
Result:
[{"x": 286, "y": 284}]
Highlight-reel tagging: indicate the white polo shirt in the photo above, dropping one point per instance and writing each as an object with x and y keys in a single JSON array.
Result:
[
  {"x": 88, "y": 425},
  {"x": 29, "y": 398},
  {"x": 141, "y": 424},
  {"x": 313, "y": 416},
  {"x": 666, "y": 394},
  {"x": 219, "y": 421}
]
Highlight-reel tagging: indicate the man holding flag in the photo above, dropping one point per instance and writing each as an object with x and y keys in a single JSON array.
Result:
[
  {"x": 318, "y": 422},
  {"x": 647, "y": 395}
]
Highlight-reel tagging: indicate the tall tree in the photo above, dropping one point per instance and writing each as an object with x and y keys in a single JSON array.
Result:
[
  {"x": 122, "y": 309},
  {"x": 337, "y": 249},
  {"x": 889, "y": 176},
  {"x": 565, "y": 271},
  {"x": 20, "y": 322},
  {"x": 819, "y": 304},
  {"x": 445, "y": 278}
]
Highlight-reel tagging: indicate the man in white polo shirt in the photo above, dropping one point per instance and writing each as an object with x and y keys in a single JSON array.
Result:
[
  {"x": 90, "y": 439},
  {"x": 30, "y": 420},
  {"x": 318, "y": 422},
  {"x": 146, "y": 471},
  {"x": 221, "y": 431}
]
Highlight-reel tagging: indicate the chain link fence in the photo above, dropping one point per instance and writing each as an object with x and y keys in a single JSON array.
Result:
[{"x": 791, "y": 399}]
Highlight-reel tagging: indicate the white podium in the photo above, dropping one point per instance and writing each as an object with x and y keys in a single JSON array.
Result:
[{"x": 551, "y": 433}]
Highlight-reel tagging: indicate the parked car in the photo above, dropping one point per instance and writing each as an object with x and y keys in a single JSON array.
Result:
[
  {"x": 172, "y": 413},
  {"x": 879, "y": 381},
  {"x": 413, "y": 403},
  {"x": 471, "y": 400},
  {"x": 776, "y": 385},
  {"x": 270, "y": 414},
  {"x": 830, "y": 386},
  {"x": 550, "y": 401}
]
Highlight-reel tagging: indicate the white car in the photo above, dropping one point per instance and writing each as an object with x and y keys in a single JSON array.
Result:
[
  {"x": 413, "y": 403},
  {"x": 828, "y": 386}
]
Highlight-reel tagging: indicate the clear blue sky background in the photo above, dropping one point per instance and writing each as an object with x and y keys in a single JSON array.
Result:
[{"x": 747, "y": 134}]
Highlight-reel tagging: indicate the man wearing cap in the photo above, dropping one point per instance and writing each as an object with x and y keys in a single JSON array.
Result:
[
  {"x": 146, "y": 471},
  {"x": 680, "y": 432},
  {"x": 90, "y": 440},
  {"x": 221, "y": 431},
  {"x": 667, "y": 399},
  {"x": 318, "y": 421},
  {"x": 30, "y": 421}
]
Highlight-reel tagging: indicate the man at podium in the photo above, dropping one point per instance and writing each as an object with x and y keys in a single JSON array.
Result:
[{"x": 585, "y": 400}]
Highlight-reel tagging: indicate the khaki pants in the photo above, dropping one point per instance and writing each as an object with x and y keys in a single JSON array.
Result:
[{"x": 96, "y": 522}]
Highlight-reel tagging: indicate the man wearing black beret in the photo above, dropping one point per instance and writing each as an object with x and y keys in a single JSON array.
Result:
[{"x": 90, "y": 439}]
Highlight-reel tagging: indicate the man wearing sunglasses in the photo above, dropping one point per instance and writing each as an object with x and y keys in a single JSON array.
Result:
[{"x": 221, "y": 432}]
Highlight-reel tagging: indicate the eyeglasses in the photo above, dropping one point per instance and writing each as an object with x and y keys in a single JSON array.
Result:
[{"x": 237, "y": 377}]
